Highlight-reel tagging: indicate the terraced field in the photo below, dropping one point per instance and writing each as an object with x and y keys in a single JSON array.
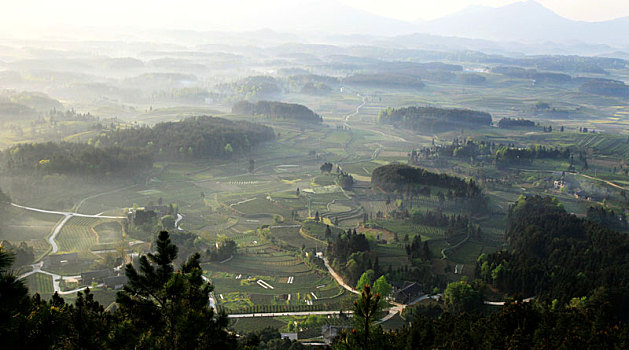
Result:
[
  {"x": 82, "y": 234},
  {"x": 291, "y": 236},
  {"x": 40, "y": 283},
  {"x": 262, "y": 275}
]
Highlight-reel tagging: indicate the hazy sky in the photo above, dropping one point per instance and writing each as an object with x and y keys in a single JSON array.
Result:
[
  {"x": 244, "y": 14},
  {"x": 584, "y": 10}
]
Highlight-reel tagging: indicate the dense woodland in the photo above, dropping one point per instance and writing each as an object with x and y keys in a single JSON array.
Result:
[
  {"x": 432, "y": 119},
  {"x": 533, "y": 74},
  {"x": 517, "y": 325},
  {"x": 192, "y": 138},
  {"x": 405, "y": 178},
  {"x": 393, "y": 80},
  {"x": 554, "y": 255},
  {"x": 277, "y": 110},
  {"x": 605, "y": 87},
  {"x": 76, "y": 159},
  {"x": 128, "y": 152},
  {"x": 507, "y": 123}
]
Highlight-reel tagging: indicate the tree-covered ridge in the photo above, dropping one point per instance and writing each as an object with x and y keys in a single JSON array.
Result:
[
  {"x": 131, "y": 151},
  {"x": 402, "y": 177},
  {"x": 556, "y": 255},
  {"x": 395, "y": 80},
  {"x": 506, "y": 123},
  {"x": 431, "y": 119},
  {"x": 192, "y": 138},
  {"x": 76, "y": 159},
  {"x": 605, "y": 87},
  {"x": 277, "y": 110},
  {"x": 502, "y": 154},
  {"x": 533, "y": 74}
]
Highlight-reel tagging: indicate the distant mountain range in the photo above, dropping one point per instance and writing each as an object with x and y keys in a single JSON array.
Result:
[
  {"x": 525, "y": 22},
  {"x": 529, "y": 22}
]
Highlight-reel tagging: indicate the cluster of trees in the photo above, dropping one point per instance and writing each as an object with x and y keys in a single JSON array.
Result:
[
  {"x": 401, "y": 177},
  {"x": 433, "y": 218},
  {"x": 406, "y": 71},
  {"x": 510, "y": 154},
  {"x": 605, "y": 87},
  {"x": 345, "y": 180},
  {"x": 326, "y": 167},
  {"x": 223, "y": 249},
  {"x": 533, "y": 74},
  {"x": 161, "y": 307},
  {"x": 315, "y": 88},
  {"x": 463, "y": 323},
  {"x": 433, "y": 119},
  {"x": 607, "y": 217},
  {"x": 507, "y": 123},
  {"x": 392, "y": 80},
  {"x": 76, "y": 159},
  {"x": 23, "y": 254},
  {"x": 417, "y": 250},
  {"x": 254, "y": 87},
  {"x": 277, "y": 110},
  {"x": 350, "y": 255},
  {"x": 554, "y": 255},
  {"x": 472, "y": 79},
  {"x": 128, "y": 152},
  {"x": 192, "y": 138},
  {"x": 517, "y": 325}
]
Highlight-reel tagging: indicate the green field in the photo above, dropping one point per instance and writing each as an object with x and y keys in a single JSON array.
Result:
[{"x": 40, "y": 283}]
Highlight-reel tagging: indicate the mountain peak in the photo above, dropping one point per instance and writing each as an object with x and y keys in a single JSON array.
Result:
[{"x": 525, "y": 21}]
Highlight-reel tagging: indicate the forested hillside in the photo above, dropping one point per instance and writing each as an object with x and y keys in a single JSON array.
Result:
[
  {"x": 192, "y": 138},
  {"x": 432, "y": 119},
  {"x": 277, "y": 110},
  {"x": 401, "y": 177},
  {"x": 75, "y": 159},
  {"x": 132, "y": 151},
  {"x": 556, "y": 255}
]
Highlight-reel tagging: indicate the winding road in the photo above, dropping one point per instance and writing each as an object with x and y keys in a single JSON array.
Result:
[{"x": 37, "y": 267}]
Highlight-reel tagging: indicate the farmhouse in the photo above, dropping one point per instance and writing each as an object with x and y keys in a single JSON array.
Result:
[
  {"x": 408, "y": 292},
  {"x": 559, "y": 184},
  {"x": 97, "y": 276},
  {"x": 289, "y": 336},
  {"x": 115, "y": 282},
  {"x": 329, "y": 332}
]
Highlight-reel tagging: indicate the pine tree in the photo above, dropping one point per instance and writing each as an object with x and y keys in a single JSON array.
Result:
[{"x": 168, "y": 308}]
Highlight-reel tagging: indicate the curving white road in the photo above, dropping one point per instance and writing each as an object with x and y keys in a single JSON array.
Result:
[
  {"x": 57, "y": 229},
  {"x": 67, "y": 213},
  {"x": 179, "y": 218},
  {"x": 37, "y": 267},
  {"x": 338, "y": 278}
]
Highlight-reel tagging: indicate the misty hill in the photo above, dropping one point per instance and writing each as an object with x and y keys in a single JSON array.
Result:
[
  {"x": 128, "y": 152},
  {"x": 402, "y": 177},
  {"x": 75, "y": 159},
  {"x": 192, "y": 138},
  {"x": 331, "y": 17},
  {"x": 393, "y": 80},
  {"x": 25, "y": 105},
  {"x": 605, "y": 87},
  {"x": 433, "y": 119},
  {"x": 277, "y": 110},
  {"x": 526, "y": 21}
]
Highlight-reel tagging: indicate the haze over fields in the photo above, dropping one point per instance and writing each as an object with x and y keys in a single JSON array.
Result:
[{"x": 332, "y": 174}]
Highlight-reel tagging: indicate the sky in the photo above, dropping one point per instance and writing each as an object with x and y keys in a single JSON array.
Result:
[
  {"x": 21, "y": 15},
  {"x": 409, "y": 10}
]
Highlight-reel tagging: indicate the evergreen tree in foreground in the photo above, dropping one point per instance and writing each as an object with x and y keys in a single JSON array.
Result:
[{"x": 168, "y": 308}]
